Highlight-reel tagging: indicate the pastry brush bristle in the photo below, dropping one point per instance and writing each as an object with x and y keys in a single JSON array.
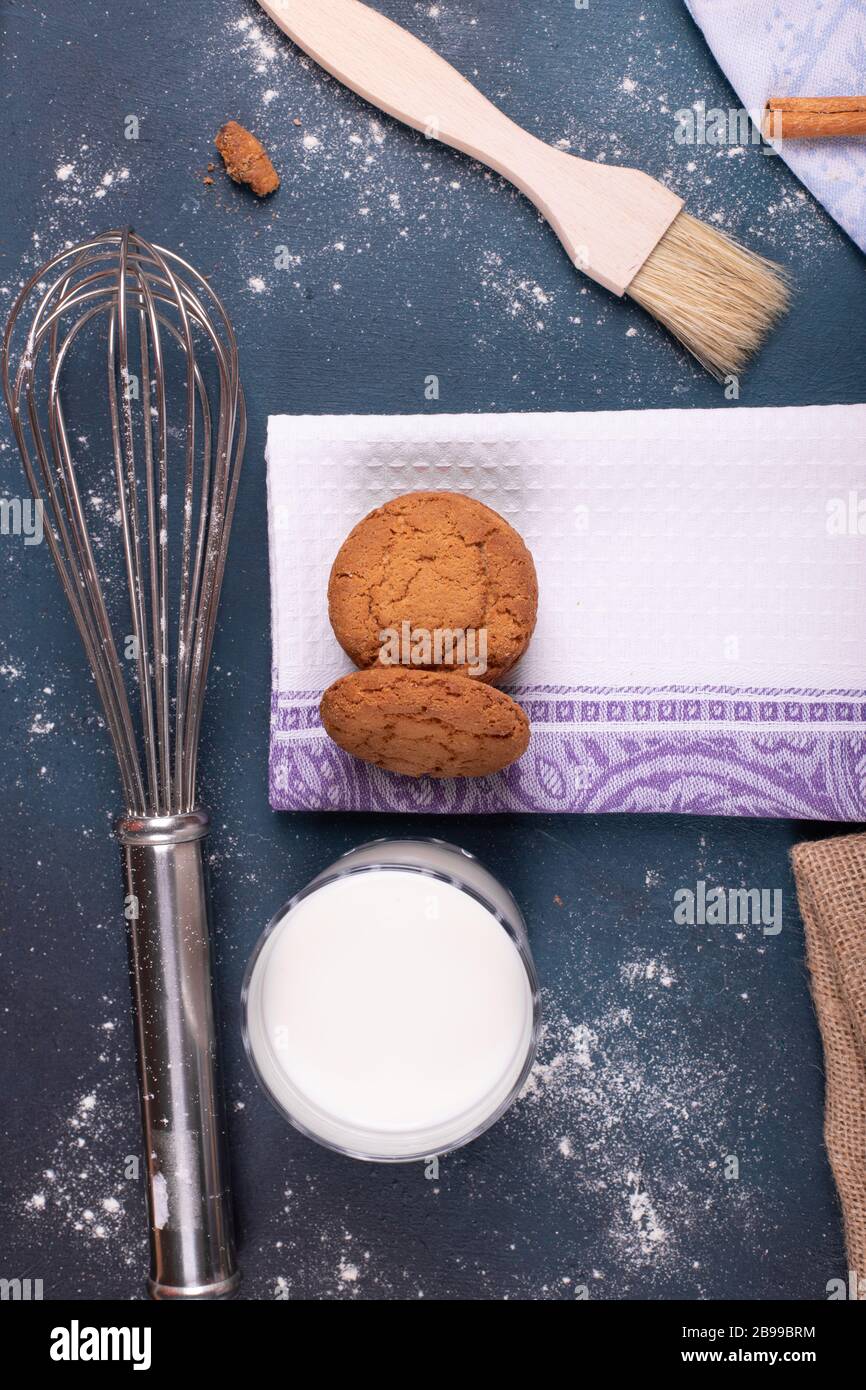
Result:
[{"x": 719, "y": 299}]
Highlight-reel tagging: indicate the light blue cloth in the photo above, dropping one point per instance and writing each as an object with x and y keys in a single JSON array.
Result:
[{"x": 793, "y": 48}]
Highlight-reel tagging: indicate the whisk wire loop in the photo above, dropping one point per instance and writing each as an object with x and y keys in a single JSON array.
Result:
[{"x": 150, "y": 302}]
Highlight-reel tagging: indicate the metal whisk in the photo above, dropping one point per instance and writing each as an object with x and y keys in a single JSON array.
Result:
[{"x": 175, "y": 427}]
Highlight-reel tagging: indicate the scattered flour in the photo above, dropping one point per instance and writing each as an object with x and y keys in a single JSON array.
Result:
[
  {"x": 521, "y": 296},
  {"x": 610, "y": 1094},
  {"x": 648, "y": 1230},
  {"x": 84, "y": 1185}
]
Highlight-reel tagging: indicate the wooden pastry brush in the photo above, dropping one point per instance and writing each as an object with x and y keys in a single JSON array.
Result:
[{"x": 619, "y": 226}]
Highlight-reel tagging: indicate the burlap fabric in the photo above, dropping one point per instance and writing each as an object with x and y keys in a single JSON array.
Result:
[{"x": 831, "y": 885}]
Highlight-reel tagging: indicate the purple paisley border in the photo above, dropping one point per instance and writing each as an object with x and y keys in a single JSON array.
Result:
[{"x": 743, "y": 767}]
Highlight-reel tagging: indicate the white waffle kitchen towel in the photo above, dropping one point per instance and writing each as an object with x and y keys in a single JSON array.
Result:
[
  {"x": 799, "y": 48},
  {"x": 701, "y": 642}
]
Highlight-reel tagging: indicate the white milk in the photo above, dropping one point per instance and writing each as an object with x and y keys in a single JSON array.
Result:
[{"x": 389, "y": 1012}]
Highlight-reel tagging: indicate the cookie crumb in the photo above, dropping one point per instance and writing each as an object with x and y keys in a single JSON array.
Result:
[{"x": 246, "y": 159}]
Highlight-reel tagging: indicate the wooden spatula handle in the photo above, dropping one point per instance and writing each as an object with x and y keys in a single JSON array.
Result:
[{"x": 608, "y": 219}]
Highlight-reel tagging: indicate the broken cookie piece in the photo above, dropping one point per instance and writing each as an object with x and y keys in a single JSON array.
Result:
[{"x": 246, "y": 159}]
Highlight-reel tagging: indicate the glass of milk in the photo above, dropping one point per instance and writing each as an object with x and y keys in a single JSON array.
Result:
[{"x": 391, "y": 1008}]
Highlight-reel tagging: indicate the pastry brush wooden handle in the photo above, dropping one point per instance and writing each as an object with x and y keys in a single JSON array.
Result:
[
  {"x": 399, "y": 74},
  {"x": 608, "y": 219}
]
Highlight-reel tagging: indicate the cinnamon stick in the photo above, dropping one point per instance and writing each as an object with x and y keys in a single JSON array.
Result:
[{"x": 814, "y": 118}]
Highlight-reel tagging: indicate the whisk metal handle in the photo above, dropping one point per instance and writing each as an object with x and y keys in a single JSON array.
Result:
[{"x": 191, "y": 1237}]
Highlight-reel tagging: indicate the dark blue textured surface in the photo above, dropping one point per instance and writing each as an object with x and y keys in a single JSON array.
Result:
[{"x": 669, "y": 1048}]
